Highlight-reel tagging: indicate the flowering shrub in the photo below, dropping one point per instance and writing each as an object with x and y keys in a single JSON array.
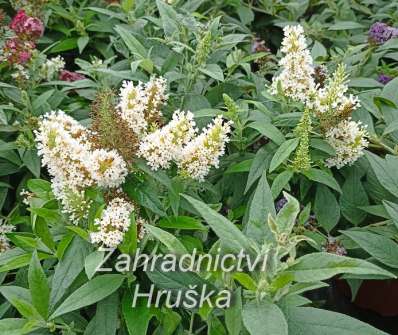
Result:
[{"x": 196, "y": 167}]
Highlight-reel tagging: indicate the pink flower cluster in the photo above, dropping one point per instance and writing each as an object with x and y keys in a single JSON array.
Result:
[
  {"x": 27, "y": 27},
  {"x": 18, "y": 49},
  {"x": 66, "y": 75}
]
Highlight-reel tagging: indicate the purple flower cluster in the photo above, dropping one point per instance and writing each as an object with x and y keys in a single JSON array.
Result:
[
  {"x": 384, "y": 79},
  {"x": 380, "y": 33},
  {"x": 280, "y": 204}
]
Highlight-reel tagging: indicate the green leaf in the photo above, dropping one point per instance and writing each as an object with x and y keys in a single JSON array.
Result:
[
  {"x": 20, "y": 298},
  {"x": 38, "y": 286},
  {"x": 318, "y": 50},
  {"x": 392, "y": 127},
  {"x": 105, "y": 321},
  {"x": 224, "y": 229},
  {"x": 42, "y": 99},
  {"x": 181, "y": 222},
  {"x": 322, "y": 265},
  {"x": 233, "y": 314},
  {"x": 314, "y": 321},
  {"x": 380, "y": 247},
  {"x": 93, "y": 291},
  {"x": 322, "y": 145},
  {"x": 64, "y": 45},
  {"x": 135, "y": 47},
  {"x": 92, "y": 261},
  {"x": 82, "y": 43},
  {"x": 79, "y": 232},
  {"x": 168, "y": 322},
  {"x": 129, "y": 244},
  {"x": 50, "y": 215},
  {"x": 269, "y": 131},
  {"x": 346, "y": 25},
  {"x": 14, "y": 327},
  {"x": 177, "y": 280},
  {"x": 246, "y": 14},
  {"x": 20, "y": 261},
  {"x": 322, "y": 177},
  {"x": 213, "y": 71},
  {"x": 326, "y": 208},
  {"x": 261, "y": 206},
  {"x": 286, "y": 217},
  {"x": 264, "y": 318},
  {"x": 32, "y": 162},
  {"x": 280, "y": 182},
  {"x": 127, "y": 5},
  {"x": 42, "y": 230},
  {"x": 68, "y": 268},
  {"x": 245, "y": 280},
  {"x": 240, "y": 167},
  {"x": 376, "y": 210},
  {"x": 137, "y": 318},
  {"x": 169, "y": 18},
  {"x": 39, "y": 186},
  {"x": 392, "y": 210},
  {"x": 260, "y": 162},
  {"x": 364, "y": 82},
  {"x": 169, "y": 240},
  {"x": 283, "y": 153},
  {"x": 386, "y": 171},
  {"x": 353, "y": 197}
]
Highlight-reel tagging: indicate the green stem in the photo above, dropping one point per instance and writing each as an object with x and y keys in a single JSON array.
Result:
[{"x": 376, "y": 143}]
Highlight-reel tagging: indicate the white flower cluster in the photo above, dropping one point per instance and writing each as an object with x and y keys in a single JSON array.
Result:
[
  {"x": 348, "y": 139},
  {"x": 113, "y": 224},
  {"x": 4, "y": 241},
  {"x": 194, "y": 155},
  {"x": 204, "y": 151},
  {"x": 330, "y": 103},
  {"x": 21, "y": 73},
  {"x": 51, "y": 67},
  {"x": 26, "y": 196},
  {"x": 142, "y": 229},
  {"x": 72, "y": 161},
  {"x": 164, "y": 145},
  {"x": 107, "y": 168},
  {"x": 142, "y": 102},
  {"x": 332, "y": 98},
  {"x": 296, "y": 79}
]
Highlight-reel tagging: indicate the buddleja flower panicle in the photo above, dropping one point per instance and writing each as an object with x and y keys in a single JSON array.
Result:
[
  {"x": 164, "y": 145},
  {"x": 296, "y": 79},
  {"x": 140, "y": 105},
  {"x": 204, "y": 151},
  {"x": 72, "y": 161},
  {"x": 113, "y": 223},
  {"x": 348, "y": 139},
  {"x": 324, "y": 97}
]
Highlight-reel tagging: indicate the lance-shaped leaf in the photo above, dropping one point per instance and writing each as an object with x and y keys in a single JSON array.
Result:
[
  {"x": 38, "y": 285},
  {"x": 224, "y": 228},
  {"x": 93, "y": 291},
  {"x": 264, "y": 318},
  {"x": 314, "y": 321},
  {"x": 286, "y": 217},
  {"x": 169, "y": 240},
  {"x": 322, "y": 265},
  {"x": 261, "y": 206},
  {"x": 380, "y": 247}
]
